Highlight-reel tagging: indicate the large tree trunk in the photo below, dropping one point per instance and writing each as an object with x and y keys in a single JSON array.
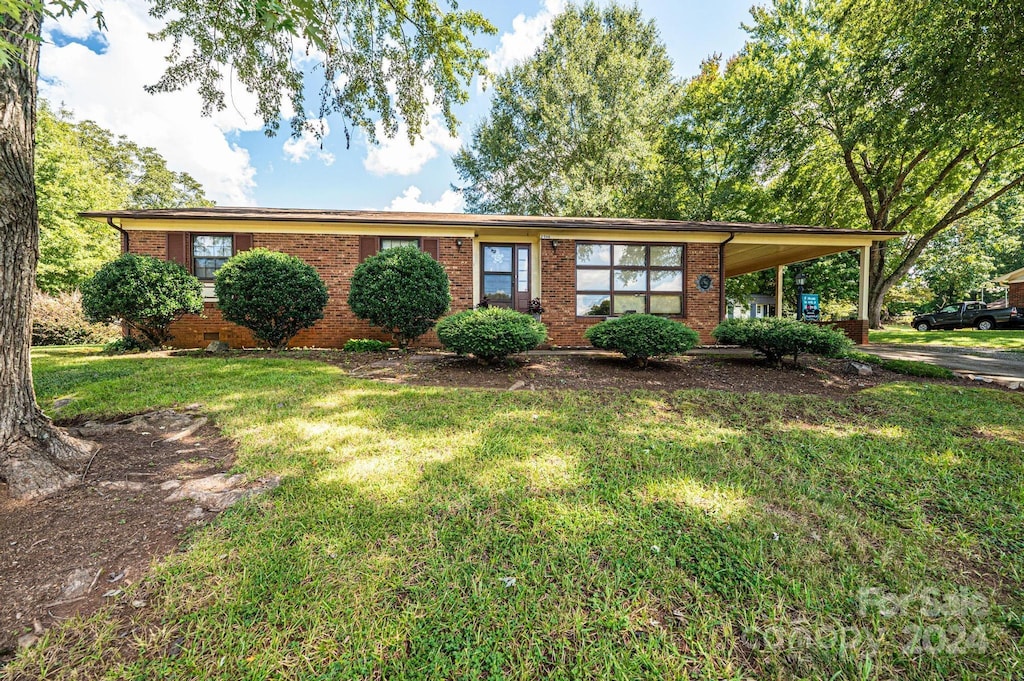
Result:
[{"x": 36, "y": 458}]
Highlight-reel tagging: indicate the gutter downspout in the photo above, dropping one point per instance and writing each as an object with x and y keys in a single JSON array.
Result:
[
  {"x": 721, "y": 275},
  {"x": 124, "y": 235}
]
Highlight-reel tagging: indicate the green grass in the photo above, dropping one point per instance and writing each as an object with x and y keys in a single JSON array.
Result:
[
  {"x": 698, "y": 534},
  {"x": 907, "y": 367},
  {"x": 963, "y": 338}
]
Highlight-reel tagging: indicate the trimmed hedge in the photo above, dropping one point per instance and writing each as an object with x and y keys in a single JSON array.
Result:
[
  {"x": 401, "y": 290},
  {"x": 274, "y": 295},
  {"x": 490, "y": 333},
  {"x": 59, "y": 320},
  {"x": 365, "y": 345},
  {"x": 777, "y": 338},
  {"x": 144, "y": 293},
  {"x": 642, "y": 336}
]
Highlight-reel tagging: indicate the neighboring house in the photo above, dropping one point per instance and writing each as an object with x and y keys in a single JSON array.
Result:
[
  {"x": 755, "y": 307},
  {"x": 1014, "y": 281},
  {"x": 582, "y": 269}
]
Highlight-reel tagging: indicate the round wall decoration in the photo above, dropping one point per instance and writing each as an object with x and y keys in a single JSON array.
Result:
[{"x": 705, "y": 282}]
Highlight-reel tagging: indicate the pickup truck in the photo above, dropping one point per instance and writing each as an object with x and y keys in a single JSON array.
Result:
[{"x": 969, "y": 313}]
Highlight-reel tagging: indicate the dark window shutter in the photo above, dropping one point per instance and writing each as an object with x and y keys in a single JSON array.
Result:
[
  {"x": 367, "y": 246},
  {"x": 243, "y": 242},
  {"x": 177, "y": 248},
  {"x": 430, "y": 247}
]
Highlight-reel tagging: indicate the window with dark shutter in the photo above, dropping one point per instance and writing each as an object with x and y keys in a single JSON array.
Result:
[
  {"x": 430, "y": 247},
  {"x": 243, "y": 242},
  {"x": 367, "y": 247},
  {"x": 178, "y": 248}
]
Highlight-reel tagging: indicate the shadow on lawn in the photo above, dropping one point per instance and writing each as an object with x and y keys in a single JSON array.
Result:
[{"x": 647, "y": 534}]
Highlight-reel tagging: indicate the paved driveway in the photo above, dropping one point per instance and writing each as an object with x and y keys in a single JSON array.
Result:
[{"x": 1000, "y": 366}]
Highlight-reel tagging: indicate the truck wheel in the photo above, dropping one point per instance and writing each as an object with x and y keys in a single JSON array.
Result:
[
  {"x": 923, "y": 326},
  {"x": 985, "y": 324}
]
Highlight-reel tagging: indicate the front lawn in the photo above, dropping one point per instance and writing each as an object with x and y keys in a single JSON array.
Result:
[
  {"x": 962, "y": 338},
  {"x": 450, "y": 533}
]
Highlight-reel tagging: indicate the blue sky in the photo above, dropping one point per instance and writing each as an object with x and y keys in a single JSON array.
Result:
[{"x": 101, "y": 77}]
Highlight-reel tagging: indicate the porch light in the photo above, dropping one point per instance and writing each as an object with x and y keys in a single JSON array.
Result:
[
  {"x": 554, "y": 244},
  {"x": 458, "y": 244}
]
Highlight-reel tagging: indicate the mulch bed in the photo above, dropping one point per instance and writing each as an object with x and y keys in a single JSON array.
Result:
[
  {"x": 110, "y": 534},
  {"x": 599, "y": 371}
]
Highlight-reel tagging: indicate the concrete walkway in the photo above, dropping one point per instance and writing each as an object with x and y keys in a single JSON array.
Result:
[{"x": 1000, "y": 366}]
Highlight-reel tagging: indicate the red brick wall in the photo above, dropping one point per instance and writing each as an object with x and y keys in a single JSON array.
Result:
[
  {"x": 335, "y": 257},
  {"x": 855, "y": 329},
  {"x": 1015, "y": 297},
  {"x": 558, "y": 281}
]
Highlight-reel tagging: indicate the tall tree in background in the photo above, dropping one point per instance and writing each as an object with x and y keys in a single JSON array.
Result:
[
  {"x": 80, "y": 167},
  {"x": 576, "y": 129},
  {"x": 363, "y": 47},
  {"x": 918, "y": 103}
]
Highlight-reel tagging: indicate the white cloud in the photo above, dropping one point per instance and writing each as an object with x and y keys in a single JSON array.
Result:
[
  {"x": 450, "y": 202},
  {"x": 108, "y": 89},
  {"x": 298, "y": 149},
  {"x": 396, "y": 156},
  {"x": 526, "y": 37}
]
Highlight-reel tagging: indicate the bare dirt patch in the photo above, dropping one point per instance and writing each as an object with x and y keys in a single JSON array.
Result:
[
  {"x": 71, "y": 553},
  {"x": 732, "y": 371}
]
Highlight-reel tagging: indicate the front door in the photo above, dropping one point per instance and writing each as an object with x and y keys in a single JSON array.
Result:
[{"x": 506, "y": 275}]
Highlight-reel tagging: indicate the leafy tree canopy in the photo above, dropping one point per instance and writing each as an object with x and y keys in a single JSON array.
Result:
[
  {"x": 576, "y": 129},
  {"x": 80, "y": 167},
  {"x": 908, "y": 111}
]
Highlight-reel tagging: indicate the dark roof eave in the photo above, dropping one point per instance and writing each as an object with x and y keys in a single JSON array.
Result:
[{"x": 467, "y": 220}]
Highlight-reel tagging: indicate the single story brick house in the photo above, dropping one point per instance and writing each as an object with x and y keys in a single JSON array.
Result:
[
  {"x": 1014, "y": 281},
  {"x": 582, "y": 269}
]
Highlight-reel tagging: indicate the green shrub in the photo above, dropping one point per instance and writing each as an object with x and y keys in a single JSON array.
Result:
[
  {"x": 365, "y": 345},
  {"x": 59, "y": 320},
  {"x": 143, "y": 293},
  {"x": 642, "y": 336},
  {"x": 777, "y": 338},
  {"x": 126, "y": 344},
  {"x": 490, "y": 333},
  {"x": 274, "y": 295},
  {"x": 401, "y": 290}
]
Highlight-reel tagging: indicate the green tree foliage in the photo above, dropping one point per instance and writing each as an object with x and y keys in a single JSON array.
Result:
[
  {"x": 421, "y": 50},
  {"x": 401, "y": 290},
  {"x": 642, "y": 336},
  {"x": 145, "y": 294},
  {"x": 272, "y": 294},
  {"x": 491, "y": 333},
  {"x": 577, "y": 128},
  {"x": 911, "y": 108},
  {"x": 69, "y": 180},
  {"x": 707, "y": 169},
  {"x": 82, "y": 167},
  {"x": 778, "y": 338}
]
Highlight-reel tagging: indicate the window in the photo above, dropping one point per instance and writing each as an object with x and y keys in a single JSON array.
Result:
[
  {"x": 210, "y": 252},
  {"x": 499, "y": 273},
  {"x": 614, "y": 279},
  {"x": 398, "y": 243}
]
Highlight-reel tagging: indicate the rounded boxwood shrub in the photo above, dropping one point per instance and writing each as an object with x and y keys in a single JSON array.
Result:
[
  {"x": 490, "y": 333},
  {"x": 274, "y": 295},
  {"x": 776, "y": 338},
  {"x": 143, "y": 293},
  {"x": 642, "y": 336},
  {"x": 401, "y": 290}
]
